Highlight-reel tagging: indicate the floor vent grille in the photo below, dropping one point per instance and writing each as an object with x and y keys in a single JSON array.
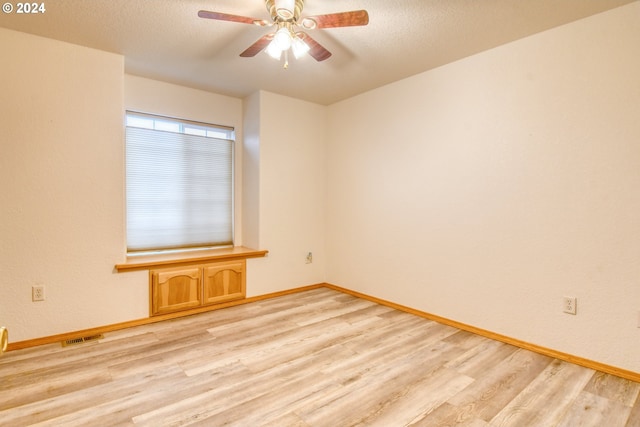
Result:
[{"x": 76, "y": 341}]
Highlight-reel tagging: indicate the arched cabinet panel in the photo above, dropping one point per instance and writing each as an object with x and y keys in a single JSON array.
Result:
[
  {"x": 223, "y": 282},
  {"x": 175, "y": 289}
]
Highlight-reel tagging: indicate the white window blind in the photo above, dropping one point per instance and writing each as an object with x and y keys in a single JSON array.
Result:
[{"x": 179, "y": 184}]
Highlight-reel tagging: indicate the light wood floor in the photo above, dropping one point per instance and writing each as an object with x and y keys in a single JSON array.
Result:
[{"x": 315, "y": 358}]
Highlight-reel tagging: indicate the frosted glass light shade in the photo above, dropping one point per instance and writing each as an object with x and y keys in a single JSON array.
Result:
[
  {"x": 282, "y": 39},
  {"x": 299, "y": 47},
  {"x": 274, "y": 51}
]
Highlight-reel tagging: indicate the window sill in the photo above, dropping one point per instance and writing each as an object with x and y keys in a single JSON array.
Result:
[{"x": 146, "y": 262}]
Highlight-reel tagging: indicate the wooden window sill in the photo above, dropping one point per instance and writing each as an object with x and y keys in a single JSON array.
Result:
[{"x": 146, "y": 262}]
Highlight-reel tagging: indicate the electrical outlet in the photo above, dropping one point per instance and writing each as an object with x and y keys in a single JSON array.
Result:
[
  {"x": 37, "y": 293},
  {"x": 309, "y": 258},
  {"x": 569, "y": 305}
]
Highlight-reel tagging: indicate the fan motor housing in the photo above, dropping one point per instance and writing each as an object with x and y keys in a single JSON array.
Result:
[{"x": 297, "y": 9}]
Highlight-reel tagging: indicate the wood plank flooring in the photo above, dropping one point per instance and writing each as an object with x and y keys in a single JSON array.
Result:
[{"x": 314, "y": 358}]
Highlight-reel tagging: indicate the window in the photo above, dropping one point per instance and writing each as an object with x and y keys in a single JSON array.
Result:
[{"x": 179, "y": 184}]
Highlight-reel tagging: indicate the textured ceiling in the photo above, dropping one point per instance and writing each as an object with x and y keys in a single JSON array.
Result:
[{"x": 165, "y": 39}]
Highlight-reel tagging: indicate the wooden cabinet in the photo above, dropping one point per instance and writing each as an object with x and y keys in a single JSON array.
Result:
[
  {"x": 224, "y": 281},
  {"x": 176, "y": 289}
]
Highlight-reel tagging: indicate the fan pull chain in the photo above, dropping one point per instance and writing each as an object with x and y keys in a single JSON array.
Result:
[{"x": 286, "y": 59}]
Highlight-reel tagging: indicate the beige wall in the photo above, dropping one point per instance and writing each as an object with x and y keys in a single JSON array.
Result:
[
  {"x": 61, "y": 189},
  {"x": 286, "y": 190},
  {"x": 486, "y": 190}
]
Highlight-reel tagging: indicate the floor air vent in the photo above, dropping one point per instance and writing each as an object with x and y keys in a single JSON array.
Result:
[{"x": 76, "y": 341}]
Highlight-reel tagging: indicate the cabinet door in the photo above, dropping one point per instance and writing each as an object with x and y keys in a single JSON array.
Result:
[
  {"x": 224, "y": 281},
  {"x": 175, "y": 289}
]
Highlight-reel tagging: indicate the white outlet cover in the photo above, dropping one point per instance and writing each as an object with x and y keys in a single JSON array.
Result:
[{"x": 569, "y": 305}]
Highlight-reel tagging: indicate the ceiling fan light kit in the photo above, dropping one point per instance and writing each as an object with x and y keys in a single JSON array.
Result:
[{"x": 285, "y": 16}]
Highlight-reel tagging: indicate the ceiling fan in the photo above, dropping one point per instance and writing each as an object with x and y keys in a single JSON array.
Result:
[{"x": 285, "y": 16}]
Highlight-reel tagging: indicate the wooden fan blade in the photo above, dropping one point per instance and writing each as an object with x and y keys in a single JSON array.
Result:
[
  {"x": 232, "y": 18},
  {"x": 342, "y": 19},
  {"x": 255, "y": 48},
  {"x": 315, "y": 49}
]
